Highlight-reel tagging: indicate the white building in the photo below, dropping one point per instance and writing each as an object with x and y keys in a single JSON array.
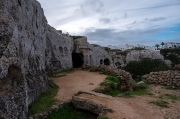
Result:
[
  {"x": 126, "y": 47},
  {"x": 171, "y": 45}
]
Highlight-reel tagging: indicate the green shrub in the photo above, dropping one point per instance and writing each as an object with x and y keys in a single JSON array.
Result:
[
  {"x": 170, "y": 54},
  {"x": 113, "y": 79},
  {"x": 103, "y": 84},
  {"x": 107, "y": 49},
  {"x": 145, "y": 66},
  {"x": 113, "y": 86},
  {"x": 67, "y": 112},
  {"x": 111, "y": 92}
]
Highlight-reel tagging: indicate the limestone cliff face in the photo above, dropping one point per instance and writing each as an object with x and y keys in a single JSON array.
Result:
[
  {"x": 58, "y": 51},
  {"x": 136, "y": 55},
  {"x": 92, "y": 55},
  {"x": 28, "y": 48}
]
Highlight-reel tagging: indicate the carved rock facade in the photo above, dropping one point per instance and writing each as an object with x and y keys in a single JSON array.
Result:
[{"x": 91, "y": 54}]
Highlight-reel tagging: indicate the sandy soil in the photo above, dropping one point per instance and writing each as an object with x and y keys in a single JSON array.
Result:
[
  {"x": 137, "y": 107},
  {"x": 76, "y": 81}
]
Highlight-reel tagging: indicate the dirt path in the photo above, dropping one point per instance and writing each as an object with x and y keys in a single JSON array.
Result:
[
  {"x": 124, "y": 108},
  {"x": 76, "y": 81}
]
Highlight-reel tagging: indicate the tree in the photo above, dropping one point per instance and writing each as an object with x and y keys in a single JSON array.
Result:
[
  {"x": 162, "y": 43},
  {"x": 157, "y": 45}
]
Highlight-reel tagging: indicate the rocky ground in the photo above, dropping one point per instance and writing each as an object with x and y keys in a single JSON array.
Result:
[{"x": 137, "y": 107}]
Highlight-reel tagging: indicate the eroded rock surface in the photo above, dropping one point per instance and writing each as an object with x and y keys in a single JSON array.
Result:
[
  {"x": 136, "y": 55},
  {"x": 92, "y": 55},
  {"x": 28, "y": 48},
  {"x": 90, "y": 101}
]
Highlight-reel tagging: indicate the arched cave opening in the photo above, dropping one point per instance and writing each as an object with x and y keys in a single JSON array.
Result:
[
  {"x": 77, "y": 59},
  {"x": 106, "y": 61}
]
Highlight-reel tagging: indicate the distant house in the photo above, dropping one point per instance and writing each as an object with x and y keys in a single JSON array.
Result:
[
  {"x": 171, "y": 45},
  {"x": 126, "y": 47}
]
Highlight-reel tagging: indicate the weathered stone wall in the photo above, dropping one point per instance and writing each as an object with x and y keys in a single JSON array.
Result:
[
  {"x": 93, "y": 55},
  {"x": 58, "y": 51},
  {"x": 28, "y": 48},
  {"x": 126, "y": 78},
  {"x": 169, "y": 77}
]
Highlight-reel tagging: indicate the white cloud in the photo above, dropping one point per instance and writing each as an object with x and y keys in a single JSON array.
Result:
[{"x": 77, "y": 16}]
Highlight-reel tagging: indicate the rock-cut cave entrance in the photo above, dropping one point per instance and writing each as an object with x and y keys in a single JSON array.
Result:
[
  {"x": 106, "y": 61},
  {"x": 77, "y": 59}
]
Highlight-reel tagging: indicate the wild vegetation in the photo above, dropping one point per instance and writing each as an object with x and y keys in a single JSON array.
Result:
[
  {"x": 44, "y": 102},
  {"x": 171, "y": 54},
  {"x": 70, "y": 112},
  {"x": 145, "y": 66},
  {"x": 111, "y": 87},
  {"x": 107, "y": 49}
]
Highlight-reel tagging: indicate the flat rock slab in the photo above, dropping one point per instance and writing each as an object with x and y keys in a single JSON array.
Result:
[
  {"x": 114, "y": 108},
  {"x": 91, "y": 101}
]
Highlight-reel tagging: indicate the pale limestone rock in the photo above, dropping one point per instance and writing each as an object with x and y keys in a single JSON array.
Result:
[
  {"x": 137, "y": 55},
  {"x": 92, "y": 54},
  {"x": 28, "y": 48}
]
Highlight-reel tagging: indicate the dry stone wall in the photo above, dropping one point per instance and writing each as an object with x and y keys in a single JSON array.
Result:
[
  {"x": 169, "y": 77},
  {"x": 29, "y": 48},
  {"x": 126, "y": 78}
]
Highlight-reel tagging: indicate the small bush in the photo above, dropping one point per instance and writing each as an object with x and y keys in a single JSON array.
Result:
[
  {"x": 113, "y": 79},
  {"x": 111, "y": 92},
  {"x": 170, "y": 54},
  {"x": 103, "y": 84},
  {"x": 145, "y": 66},
  {"x": 107, "y": 49}
]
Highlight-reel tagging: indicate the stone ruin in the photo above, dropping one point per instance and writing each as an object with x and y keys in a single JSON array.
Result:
[
  {"x": 170, "y": 78},
  {"x": 85, "y": 53}
]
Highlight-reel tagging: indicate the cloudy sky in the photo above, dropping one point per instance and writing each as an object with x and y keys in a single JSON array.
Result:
[{"x": 115, "y": 22}]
